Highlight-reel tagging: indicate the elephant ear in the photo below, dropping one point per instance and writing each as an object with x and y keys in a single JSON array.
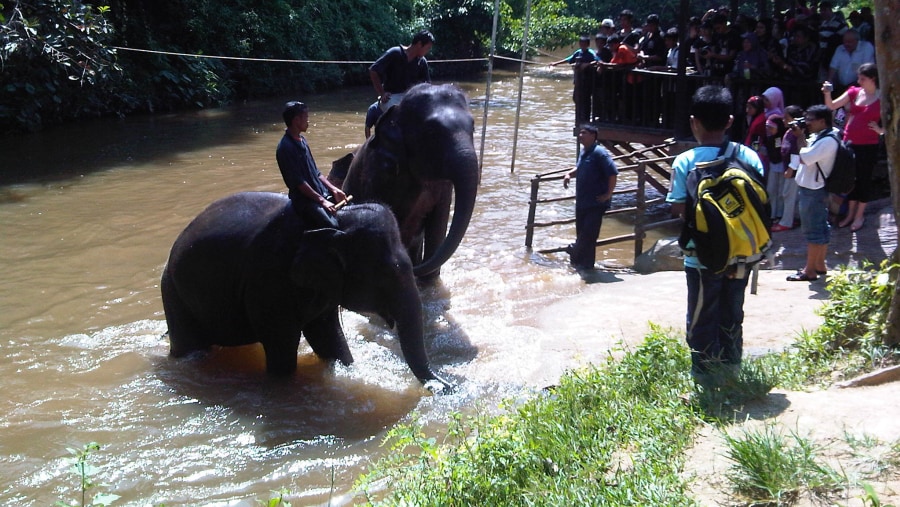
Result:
[
  {"x": 319, "y": 264},
  {"x": 388, "y": 134},
  {"x": 385, "y": 149}
]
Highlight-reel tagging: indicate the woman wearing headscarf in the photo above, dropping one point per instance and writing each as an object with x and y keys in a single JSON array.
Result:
[{"x": 752, "y": 61}]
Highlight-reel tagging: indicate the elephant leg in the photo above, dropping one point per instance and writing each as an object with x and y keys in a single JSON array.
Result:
[
  {"x": 326, "y": 337},
  {"x": 281, "y": 354},
  {"x": 186, "y": 334}
]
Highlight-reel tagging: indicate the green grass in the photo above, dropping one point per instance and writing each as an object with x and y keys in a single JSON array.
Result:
[
  {"x": 616, "y": 434},
  {"x": 770, "y": 468},
  {"x": 611, "y": 435}
]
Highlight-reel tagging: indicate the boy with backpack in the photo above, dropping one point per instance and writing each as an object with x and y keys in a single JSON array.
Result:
[{"x": 715, "y": 302}]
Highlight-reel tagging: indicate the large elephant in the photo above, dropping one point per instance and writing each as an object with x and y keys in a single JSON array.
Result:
[
  {"x": 422, "y": 157},
  {"x": 246, "y": 270}
]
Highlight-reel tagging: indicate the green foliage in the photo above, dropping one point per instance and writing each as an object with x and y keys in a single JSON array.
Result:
[
  {"x": 462, "y": 29},
  {"x": 771, "y": 468},
  {"x": 56, "y": 63},
  {"x": 850, "y": 339},
  {"x": 85, "y": 472},
  {"x": 551, "y": 27},
  {"x": 613, "y": 435},
  {"x": 277, "y": 499}
]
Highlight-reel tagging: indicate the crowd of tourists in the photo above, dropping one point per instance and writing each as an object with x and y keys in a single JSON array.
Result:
[{"x": 800, "y": 45}]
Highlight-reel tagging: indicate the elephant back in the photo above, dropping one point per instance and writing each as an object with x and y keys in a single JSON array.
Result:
[{"x": 219, "y": 239}]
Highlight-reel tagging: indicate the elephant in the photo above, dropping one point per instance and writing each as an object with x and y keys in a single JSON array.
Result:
[
  {"x": 419, "y": 160},
  {"x": 246, "y": 270}
]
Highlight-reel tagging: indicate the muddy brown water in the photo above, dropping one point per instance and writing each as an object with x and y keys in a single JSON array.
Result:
[{"x": 84, "y": 239}]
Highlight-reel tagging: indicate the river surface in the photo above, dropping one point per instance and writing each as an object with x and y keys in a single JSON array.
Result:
[{"x": 83, "y": 241}]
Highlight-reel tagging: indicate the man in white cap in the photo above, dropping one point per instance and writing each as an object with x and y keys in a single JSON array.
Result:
[{"x": 607, "y": 27}]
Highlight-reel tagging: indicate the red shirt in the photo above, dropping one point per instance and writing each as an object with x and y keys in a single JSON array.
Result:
[
  {"x": 756, "y": 133},
  {"x": 857, "y": 129}
]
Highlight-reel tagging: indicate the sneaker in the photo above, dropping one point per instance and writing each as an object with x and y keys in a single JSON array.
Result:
[{"x": 779, "y": 228}]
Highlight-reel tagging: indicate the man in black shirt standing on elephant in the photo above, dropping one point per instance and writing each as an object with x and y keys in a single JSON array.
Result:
[{"x": 401, "y": 67}]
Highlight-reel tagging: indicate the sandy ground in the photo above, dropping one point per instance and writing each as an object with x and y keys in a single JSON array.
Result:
[{"x": 616, "y": 307}]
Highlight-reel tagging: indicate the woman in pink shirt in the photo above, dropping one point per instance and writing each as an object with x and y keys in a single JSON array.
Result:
[{"x": 862, "y": 130}]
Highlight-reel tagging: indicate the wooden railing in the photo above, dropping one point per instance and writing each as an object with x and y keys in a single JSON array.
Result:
[{"x": 651, "y": 166}]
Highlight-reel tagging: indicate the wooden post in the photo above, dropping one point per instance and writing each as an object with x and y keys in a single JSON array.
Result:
[
  {"x": 640, "y": 218},
  {"x": 532, "y": 206}
]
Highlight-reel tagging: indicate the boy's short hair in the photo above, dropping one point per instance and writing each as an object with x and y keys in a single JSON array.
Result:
[
  {"x": 795, "y": 111},
  {"x": 424, "y": 37},
  {"x": 711, "y": 106},
  {"x": 292, "y": 109},
  {"x": 590, "y": 128}
]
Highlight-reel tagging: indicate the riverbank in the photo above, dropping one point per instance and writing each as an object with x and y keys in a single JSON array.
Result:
[{"x": 617, "y": 306}]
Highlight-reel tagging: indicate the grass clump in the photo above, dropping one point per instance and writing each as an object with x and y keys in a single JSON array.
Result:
[
  {"x": 770, "y": 468},
  {"x": 613, "y": 435},
  {"x": 850, "y": 340}
]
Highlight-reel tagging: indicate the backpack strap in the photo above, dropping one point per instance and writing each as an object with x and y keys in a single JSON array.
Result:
[{"x": 832, "y": 135}]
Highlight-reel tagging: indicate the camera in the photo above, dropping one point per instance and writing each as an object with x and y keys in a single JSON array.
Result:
[{"x": 800, "y": 123}]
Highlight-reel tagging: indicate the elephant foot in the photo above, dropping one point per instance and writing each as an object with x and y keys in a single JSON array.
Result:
[
  {"x": 430, "y": 278},
  {"x": 182, "y": 350},
  {"x": 438, "y": 385}
]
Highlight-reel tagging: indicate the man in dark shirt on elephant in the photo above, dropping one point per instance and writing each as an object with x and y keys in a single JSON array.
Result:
[
  {"x": 401, "y": 67},
  {"x": 312, "y": 196}
]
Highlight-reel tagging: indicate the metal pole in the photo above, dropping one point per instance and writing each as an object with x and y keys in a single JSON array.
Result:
[
  {"x": 512, "y": 167},
  {"x": 487, "y": 90},
  {"x": 532, "y": 208},
  {"x": 682, "y": 98}
]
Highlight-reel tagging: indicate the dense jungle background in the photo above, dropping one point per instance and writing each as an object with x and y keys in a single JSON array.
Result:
[{"x": 68, "y": 59}]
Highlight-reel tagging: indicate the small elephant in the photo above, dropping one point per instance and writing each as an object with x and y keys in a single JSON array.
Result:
[
  {"x": 246, "y": 270},
  {"x": 420, "y": 159}
]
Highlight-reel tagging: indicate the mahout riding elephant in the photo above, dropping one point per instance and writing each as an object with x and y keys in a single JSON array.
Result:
[
  {"x": 246, "y": 270},
  {"x": 420, "y": 159}
]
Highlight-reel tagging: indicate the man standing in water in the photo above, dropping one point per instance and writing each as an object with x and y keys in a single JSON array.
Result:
[
  {"x": 715, "y": 302},
  {"x": 401, "y": 67},
  {"x": 312, "y": 196},
  {"x": 596, "y": 173}
]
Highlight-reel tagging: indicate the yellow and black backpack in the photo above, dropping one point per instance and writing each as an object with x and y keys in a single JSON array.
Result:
[{"x": 726, "y": 221}]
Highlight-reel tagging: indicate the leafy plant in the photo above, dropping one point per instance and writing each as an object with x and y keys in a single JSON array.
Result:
[
  {"x": 277, "y": 499},
  {"x": 56, "y": 63},
  {"x": 771, "y": 468},
  {"x": 85, "y": 471},
  {"x": 610, "y": 435}
]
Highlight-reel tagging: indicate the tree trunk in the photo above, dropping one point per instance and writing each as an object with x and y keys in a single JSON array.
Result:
[{"x": 887, "y": 46}]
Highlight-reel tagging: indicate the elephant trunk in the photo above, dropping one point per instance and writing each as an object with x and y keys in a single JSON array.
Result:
[
  {"x": 464, "y": 174},
  {"x": 407, "y": 312}
]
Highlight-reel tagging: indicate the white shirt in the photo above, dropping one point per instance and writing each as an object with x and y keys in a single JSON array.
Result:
[
  {"x": 817, "y": 154},
  {"x": 846, "y": 64}
]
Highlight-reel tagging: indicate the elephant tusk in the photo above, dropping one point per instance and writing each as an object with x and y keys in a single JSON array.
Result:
[{"x": 343, "y": 203}]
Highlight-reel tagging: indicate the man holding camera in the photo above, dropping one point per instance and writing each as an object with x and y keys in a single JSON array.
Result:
[{"x": 817, "y": 154}]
